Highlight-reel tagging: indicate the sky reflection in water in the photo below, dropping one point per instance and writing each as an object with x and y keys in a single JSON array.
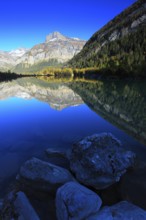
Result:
[{"x": 29, "y": 126}]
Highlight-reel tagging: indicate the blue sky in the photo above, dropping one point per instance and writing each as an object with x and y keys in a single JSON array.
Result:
[{"x": 24, "y": 23}]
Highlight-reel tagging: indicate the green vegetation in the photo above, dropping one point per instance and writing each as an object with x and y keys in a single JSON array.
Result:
[
  {"x": 65, "y": 71},
  {"x": 55, "y": 71},
  {"x": 123, "y": 56},
  {"x": 25, "y": 68}
]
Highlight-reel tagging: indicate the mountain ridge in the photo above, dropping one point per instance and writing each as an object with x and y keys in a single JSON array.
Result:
[{"x": 119, "y": 43}]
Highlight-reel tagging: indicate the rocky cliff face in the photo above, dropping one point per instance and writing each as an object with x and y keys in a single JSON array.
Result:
[
  {"x": 113, "y": 42},
  {"x": 55, "y": 36}
]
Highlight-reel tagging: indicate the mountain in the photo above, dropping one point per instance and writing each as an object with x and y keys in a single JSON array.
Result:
[
  {"x": 8, "y": 59},
  {"x": 56, "y": 49},
  {"x": 119, "y": 43},
  {"x": 55, "y": 36},
  {"x": 18, "y": 53}
]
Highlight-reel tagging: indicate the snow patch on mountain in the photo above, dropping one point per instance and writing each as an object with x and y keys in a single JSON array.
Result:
[
  {"x": 75, "y": 38},
  {"x": 18, "y": 52},
  {"x": 54, "y": 39}
]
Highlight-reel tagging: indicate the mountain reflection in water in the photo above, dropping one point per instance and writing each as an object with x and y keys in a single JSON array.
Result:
[
  {"x": 121, "y": 103},
  {"x": 30, "y": 121}
]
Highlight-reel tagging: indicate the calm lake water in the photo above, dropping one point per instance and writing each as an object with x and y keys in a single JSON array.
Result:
[{"x": 36, "y": 114}]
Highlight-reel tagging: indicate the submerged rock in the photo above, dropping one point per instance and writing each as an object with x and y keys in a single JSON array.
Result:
[
  {"x": 43, "y": 176},
  {"x": 121, "y": 211},
  {"x": 99, "y": 160},
  {"x": 23, "y": 208},
  {"x": 57, "y": 157},
  {"x": 76, "y": 202}
]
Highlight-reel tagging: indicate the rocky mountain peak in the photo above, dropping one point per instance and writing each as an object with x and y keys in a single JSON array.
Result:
[{"x": 55, "y": 36}]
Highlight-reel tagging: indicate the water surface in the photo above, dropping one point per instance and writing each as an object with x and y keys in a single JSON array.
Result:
[{"x": 36, "y": 115}]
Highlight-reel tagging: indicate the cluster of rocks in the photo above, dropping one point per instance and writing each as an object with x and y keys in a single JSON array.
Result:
[{"x": 96, "y": 163}]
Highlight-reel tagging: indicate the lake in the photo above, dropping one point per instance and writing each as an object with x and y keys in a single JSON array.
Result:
[{"x": 36, "y": 114}]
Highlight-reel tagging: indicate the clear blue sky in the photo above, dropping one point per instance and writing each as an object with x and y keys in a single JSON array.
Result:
[{"x": 24, "y": 23}]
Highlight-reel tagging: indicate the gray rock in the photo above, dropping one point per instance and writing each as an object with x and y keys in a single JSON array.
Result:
[
  {"x": 99, "y": 160},
  {"x": 55, "y": 36},
  {"x": 121, "y": 211},
  {"x": 23, "y": 208},
  {"x": 43, "y": 176},
  {"x": 76, "y": 202},
  {"x": 138, "y": 21},
  {"x": 114, "y": 35}
]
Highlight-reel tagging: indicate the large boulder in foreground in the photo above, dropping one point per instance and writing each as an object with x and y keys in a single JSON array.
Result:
[
  {"x": 76, "y": 202},
  {"x": 43, "y": 176},
  {"x": 121, "y": 211},
  {"x": 99, "y": 160}
]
